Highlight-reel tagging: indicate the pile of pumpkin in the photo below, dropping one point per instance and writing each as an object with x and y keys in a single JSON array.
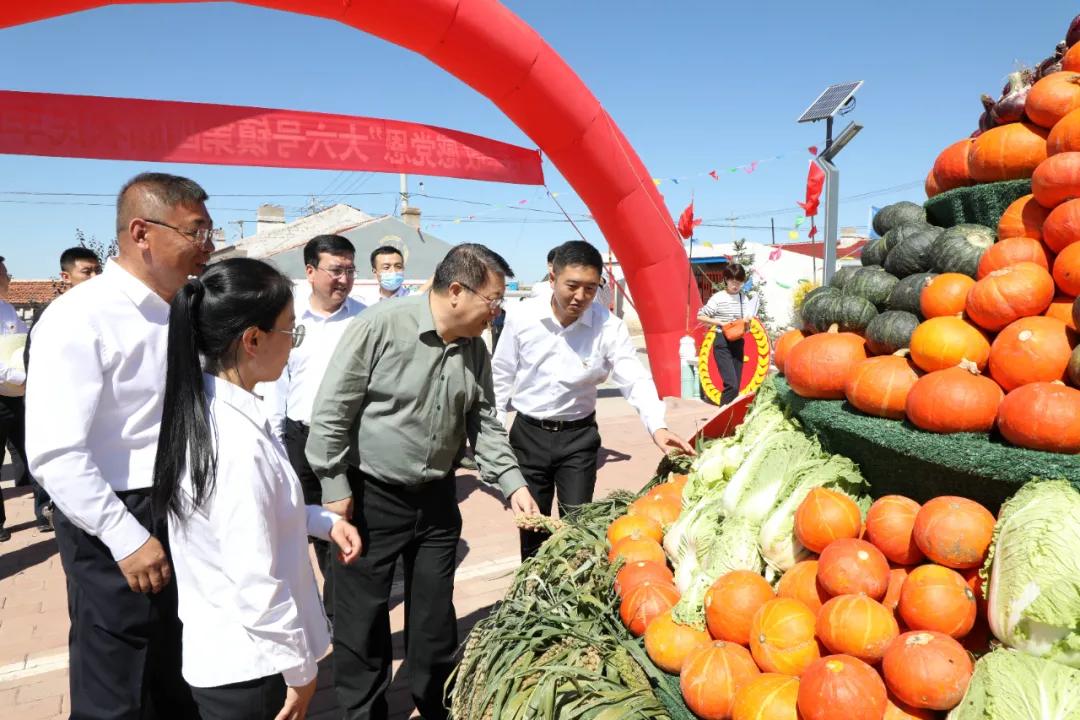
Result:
[
  {"x": 878, "y": 627},
  {"x": 981, "y": 334}
]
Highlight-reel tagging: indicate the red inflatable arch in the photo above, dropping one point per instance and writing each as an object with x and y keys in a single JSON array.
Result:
[{"x": 493, "y": 51}]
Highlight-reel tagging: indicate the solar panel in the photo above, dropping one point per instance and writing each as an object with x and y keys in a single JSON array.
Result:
[{"x": 830, "y": 101}]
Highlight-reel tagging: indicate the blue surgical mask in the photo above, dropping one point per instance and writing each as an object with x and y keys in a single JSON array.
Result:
[{"x": 391, "y": 281}]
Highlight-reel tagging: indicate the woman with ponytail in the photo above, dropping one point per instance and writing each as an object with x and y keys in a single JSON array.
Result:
[{"x": 254, "y": 626}]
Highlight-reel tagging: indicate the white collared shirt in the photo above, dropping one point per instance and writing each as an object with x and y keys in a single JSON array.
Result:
[
  {"x": 293, "y": 395},
  {"x": 93, "y": 402},
  {"x": 550, "y": 372},
  {"x": 10, "y": 324},
  {"x": 372, "y": 294},
  {"x": 247, "y": 593}
]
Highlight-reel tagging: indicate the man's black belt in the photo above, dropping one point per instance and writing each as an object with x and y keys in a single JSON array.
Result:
[{"x": 559, "y": 425}]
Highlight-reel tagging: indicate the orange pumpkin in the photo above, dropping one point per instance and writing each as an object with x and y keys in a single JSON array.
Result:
[
  {"x": 1065, "y": 136},
  {"x": 954, "y": 400},
  {"x": 858, "y": 626},
  {"x": 818, "y": 367},
  {"x": 1057, "y": 179},
  {"x": 801, "y": 583},
  {"x": 782, "y": 637},
  {"x": 1009, "y": 294},
  {"x": 1023, "y": 218},
  {"x": 732, "y": 601},
  {"x": 824, "y": 516},
  {"x": 1067, "y": 270},
  {"x": 927, "y": 669},
  {"x": 945, "y": 295},
  {"x": 931, "y": 186},
  {"x": 626, "y": 525},
  {"x": 713, "y": 675},
  {"x": 879, "y": 385},
  {"x": 951, "y": 167},
  {"x": 635, "y": 548},
  {"x": 1062, "y": 226},
  {"x": 1052, "y": 98},
  {"x": 897, "y": 576},
  {"x": 646, "y": 602},
  {"x": 1061, "y": 309},
  {"x": 1071, "y": 61},
  {"x": 841, "y": 686},
  {"x": 769, "y": 696},
  {"x": 668, "y": 643},
  {"x": 633, "y": 574},
  {"x": 1033, "y": 349},
  {"x": 897, "y": 710},
  {"x": 889, "y": 523},
  {"x": 954, "y": 531},
  {"x": 973, "y": 578},
  {"x": 1012, "y": 251},
  {"x": 945, "y": 342},
  {"x": 1042, "y": 416},
  {"x": 937, "y": 598},
  {"x": 666, "y": 491},
  {"x": 1007, "y": 152},
  {"x": 661, "y": 508},
  {"x": 849, "y": 566},
  {"x": 783, "y": 346}
]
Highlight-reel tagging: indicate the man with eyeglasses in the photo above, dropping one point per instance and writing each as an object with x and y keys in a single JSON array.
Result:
[
  {"x": 554, "y": 353},
  {"x": 94, "y": 398},
  {"x": 324, "y": 314},
  {"x": 409, "y": 382}
]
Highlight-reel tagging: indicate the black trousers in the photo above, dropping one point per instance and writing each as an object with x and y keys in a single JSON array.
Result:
[
  {"x": 555, "y": 463},
  {"x": 420, "y": 525},
  {"x": 260, "y": 699},
  {"x": 124, "y": 646},
  {"x": 13, "y": 428},
  {"x": 296, "y": 435},
  {"x": 729, "y": 361}
]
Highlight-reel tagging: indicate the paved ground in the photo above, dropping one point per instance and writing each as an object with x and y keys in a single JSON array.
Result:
[{"x": 33, "y": 610}]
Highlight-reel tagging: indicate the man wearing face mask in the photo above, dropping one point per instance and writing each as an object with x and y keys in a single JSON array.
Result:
[
  {"x": 553, "y": 353},
  {"x": 388, "y": 267}
]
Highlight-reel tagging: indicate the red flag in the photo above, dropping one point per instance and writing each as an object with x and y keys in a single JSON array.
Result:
[
  {"x": 687, "y": 222},
  {"x": 815, "y": 180},
  {"x": 813, "y": 150},
  {"x": 713, "y": 175}
]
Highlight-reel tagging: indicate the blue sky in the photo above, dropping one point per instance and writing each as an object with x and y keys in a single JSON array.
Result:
[{"x": 694, "y": 85}]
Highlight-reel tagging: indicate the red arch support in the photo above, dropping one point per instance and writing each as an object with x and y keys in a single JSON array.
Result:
[{"x": 492, "y": 50}]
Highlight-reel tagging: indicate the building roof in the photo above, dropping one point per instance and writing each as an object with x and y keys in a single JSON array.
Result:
[{"x": 32, "y": 292}]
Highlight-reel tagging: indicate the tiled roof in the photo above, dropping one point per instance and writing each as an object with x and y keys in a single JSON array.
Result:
[{"x": 32, "y": 292}]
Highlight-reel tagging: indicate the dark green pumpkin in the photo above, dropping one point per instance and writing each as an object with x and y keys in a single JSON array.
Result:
[
  {"x": 911, "y": 252},
  {"x": 897, "y": 214},
  {"x": 842, "y": 275},
  {"x": 1074, "y": 367},
  {"x": 874, "y": 252},
  {"x": 872, "y": 283},
  {"x": 905, "y": 296},
  {"x": 809, "y": 311},
  {"x": 890, "y": 331},
  {"x": 851, "y": 312},
  {"x": 960, "y": 248}
]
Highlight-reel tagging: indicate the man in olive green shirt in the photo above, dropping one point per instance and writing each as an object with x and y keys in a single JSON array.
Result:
[{"x": 408, "y": 383}]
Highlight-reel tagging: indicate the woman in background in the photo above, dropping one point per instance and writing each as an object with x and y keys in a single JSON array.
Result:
[{"x": 729, "y": 310}]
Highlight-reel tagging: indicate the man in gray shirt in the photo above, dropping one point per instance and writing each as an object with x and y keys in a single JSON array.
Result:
[{"x": 408, "y": 383}]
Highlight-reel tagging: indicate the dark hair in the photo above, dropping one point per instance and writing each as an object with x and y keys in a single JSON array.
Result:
[
  {"x": 207, "y": 318},
  {"x": 385, "y": 250},
  {"x": 733, "y": 271},
  {"x": 69, "y": 257},
  {"x": 577, "y": 252},
  {"x": 551, "y": 253},
  {"x": 469, "y": 264},
  {"x": 330, "y": 244},
  {"x": 162, "y": 189}
]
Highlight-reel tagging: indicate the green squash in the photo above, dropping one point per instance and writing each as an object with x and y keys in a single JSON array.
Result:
[
  {"x": 905, "y": 296},
  {"x": 851, "y": 312},
  {"x": 874, "y": 252},
  {"x": 872, "y": 283},
  {"x": 960, "y": 248},
  {"x": 890, "y": 331},
  {"x": 911, "y": 253},
  {"x": 842, "y": 275},
  {"x": 897, "y": 214},
  {"x": 1074, "y": 367},
  {"x": 810, "y": 309}
]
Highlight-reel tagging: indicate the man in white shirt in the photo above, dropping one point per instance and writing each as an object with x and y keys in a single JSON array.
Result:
[
  {"x": 12, "y": 386},
  {"x": 325, "y": 313},
  {"x": 94, "y": 404},
  {"x": 552, "y": 355}
]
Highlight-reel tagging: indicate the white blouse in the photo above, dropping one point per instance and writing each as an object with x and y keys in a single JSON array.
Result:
[{"x": 247, "y": 593}]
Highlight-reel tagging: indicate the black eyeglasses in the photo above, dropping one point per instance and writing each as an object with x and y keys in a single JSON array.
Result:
[
  {"x": 200, "y": 237},
  {"x": 338, "y": 273},
  {"x": 495, "y": 304},
  {"x": 297, "y": 333}
]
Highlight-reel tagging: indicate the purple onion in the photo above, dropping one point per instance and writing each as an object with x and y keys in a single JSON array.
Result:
[
  {"x": 1073, "y": 36},
  {"x": 1010, "y": 108}
]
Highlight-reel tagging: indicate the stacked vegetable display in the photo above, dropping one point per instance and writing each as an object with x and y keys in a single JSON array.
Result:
[{"x": 790, "y": 595}]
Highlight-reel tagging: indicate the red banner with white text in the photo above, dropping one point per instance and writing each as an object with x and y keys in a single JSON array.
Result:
[{"x": 83, "y": 126}]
